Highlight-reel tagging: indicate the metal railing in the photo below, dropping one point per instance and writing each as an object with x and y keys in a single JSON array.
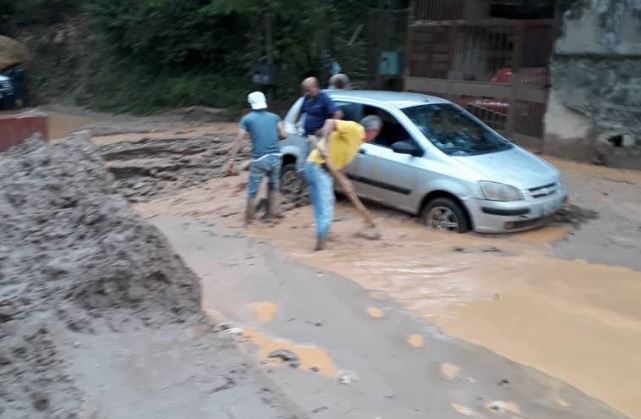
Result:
[
  {"x": 497, "y": 69},
  {"x": 437, "y": 10}
]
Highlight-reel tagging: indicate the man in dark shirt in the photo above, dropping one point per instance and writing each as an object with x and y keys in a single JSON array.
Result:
[{"x": 317, "y": 107}]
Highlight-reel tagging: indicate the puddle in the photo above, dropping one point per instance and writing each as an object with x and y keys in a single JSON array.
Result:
[
  {"x": 415, "y": 341},
  {"x": 375, "y": 312},
  {"x": 265, "y": 312},
  {"x": 450, "y": 371},
  {"x": 310, "y": 358},
  {"x": 62, "y": 124},
  {"x": 576, "y": 321}
]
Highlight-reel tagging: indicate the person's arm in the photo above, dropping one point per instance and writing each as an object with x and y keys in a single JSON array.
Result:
[
  {"x": 328, "y": 128},
  {"x": 282, "y": 134},
  {"x": 233, "y": 150}
]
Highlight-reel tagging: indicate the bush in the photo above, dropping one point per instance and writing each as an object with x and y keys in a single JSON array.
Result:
[
  {"x": 156, "y": 54},
  {"x": 25, "y": 12},
  {"x": 135, "y": 88}
]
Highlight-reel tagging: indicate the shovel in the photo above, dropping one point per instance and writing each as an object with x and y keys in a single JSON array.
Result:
[{"x": 346, "y": 186}]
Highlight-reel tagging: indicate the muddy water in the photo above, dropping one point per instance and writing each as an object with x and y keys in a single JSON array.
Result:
[
  {"x": 62, "y": 124},
  {"x": 576, "y": 321},
  {"x": 602, "y": 172},
  {"x": 310, "y": 358},
  {"x": 265, "y": 312}
]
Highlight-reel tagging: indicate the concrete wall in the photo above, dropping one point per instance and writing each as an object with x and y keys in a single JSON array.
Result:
[
  {"x": 14, "y": 129},
  {"x": 594, "y": 108}
]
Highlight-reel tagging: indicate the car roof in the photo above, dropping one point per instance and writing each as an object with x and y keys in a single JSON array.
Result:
[{"x": 399, "y": 100}]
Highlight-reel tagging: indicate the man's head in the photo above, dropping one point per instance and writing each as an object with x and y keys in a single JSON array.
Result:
[
  {"x": 339, "y": 81},
  {"x": 372, "y": 125},
  {"x": 257, "y": 101},
  {"x": 310, "y": 87}
]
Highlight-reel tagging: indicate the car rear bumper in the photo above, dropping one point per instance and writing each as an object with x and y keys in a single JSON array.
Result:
[{"x": 504, "y": 217}]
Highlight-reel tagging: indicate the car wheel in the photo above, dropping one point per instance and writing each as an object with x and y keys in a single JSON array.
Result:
[
  {"x": 291, "y": 182},
  {"x": 445, "y": 214}
]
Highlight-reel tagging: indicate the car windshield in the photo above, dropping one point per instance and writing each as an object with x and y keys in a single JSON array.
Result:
[{"x": 455, "y": 132}]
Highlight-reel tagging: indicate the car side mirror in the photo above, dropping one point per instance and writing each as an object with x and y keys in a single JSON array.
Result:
[{"x": 407, "y": 147}]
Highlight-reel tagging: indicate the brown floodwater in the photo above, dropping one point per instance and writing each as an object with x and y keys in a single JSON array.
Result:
[
  {"x": 576, "y": 321},
  {"x": 264, "y": 312},
  {"x": 311, "y": 358},
  {"x": 63, "y": 124}
]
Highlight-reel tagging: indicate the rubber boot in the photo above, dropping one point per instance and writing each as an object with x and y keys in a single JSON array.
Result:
[
  {"x": 321, "y": 243},
  {"x": 250, "y": 211},
  {"x": 274, "y": 209}
]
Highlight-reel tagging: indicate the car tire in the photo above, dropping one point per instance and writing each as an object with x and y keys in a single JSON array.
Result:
[
  {"x": 291, "y": 182},
  {"x": 445, "y": 214}
]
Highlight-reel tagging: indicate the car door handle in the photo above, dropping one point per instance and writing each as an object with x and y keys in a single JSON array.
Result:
[{"x": 361, "y": 151}]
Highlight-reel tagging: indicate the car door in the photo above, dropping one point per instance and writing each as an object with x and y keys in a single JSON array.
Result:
[{"x": 381, "y": 174}]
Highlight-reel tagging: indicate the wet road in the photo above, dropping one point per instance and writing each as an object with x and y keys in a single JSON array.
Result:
[
  {"x": 62, "y": 124},
  {"x": 575, "y": 320},
  {"x": 357, "y": 354}
]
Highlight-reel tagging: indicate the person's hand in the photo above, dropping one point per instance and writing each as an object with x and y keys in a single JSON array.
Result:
[{"x": 323, "y": 153}]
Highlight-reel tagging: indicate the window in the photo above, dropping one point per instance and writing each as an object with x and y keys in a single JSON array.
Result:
[
  {"x": 391, "y": 132},
  {"x": 351, "y": 111},
  {"x": 454, "y": 131}
]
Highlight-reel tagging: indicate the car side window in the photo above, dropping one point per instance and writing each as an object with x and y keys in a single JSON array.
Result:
[
  {"x": 391, "y": 132},
  {"x": 351, "y": 111}
]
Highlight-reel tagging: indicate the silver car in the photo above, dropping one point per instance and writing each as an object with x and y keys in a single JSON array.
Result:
[{"x": 436, "y": 160}]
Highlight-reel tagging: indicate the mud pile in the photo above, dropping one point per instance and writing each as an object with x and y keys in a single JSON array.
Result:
[{"x": 73, "y": 255}]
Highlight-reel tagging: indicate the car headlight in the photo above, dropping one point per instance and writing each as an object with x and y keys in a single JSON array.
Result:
[{"x": 494, "y": 191}]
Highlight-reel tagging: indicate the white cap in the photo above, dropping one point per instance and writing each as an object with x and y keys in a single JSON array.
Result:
[{"x": 257, "y": 100}]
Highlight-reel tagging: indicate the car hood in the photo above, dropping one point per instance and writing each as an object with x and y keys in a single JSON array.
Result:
[{"x": 514, "y": 167}]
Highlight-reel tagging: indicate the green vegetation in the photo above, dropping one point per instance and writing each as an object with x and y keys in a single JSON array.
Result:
[
  {"x": 153, "y": 54},
  {"x": 27, "y": 12}
]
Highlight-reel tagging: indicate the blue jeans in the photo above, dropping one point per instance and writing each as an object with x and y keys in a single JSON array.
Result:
[
  {"x": 268, "y": 165},
  {"x": 321, "y": 193}
]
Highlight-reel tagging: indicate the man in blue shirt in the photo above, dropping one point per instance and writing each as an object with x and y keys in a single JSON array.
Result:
[
  {"x": 318, "y": 107},
  {"x": 264, "y": 128}
]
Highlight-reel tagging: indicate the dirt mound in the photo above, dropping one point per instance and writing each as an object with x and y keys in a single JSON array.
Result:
[
  {"x": 12, "y": 52},
  {"x": 73, "y": 255}
]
